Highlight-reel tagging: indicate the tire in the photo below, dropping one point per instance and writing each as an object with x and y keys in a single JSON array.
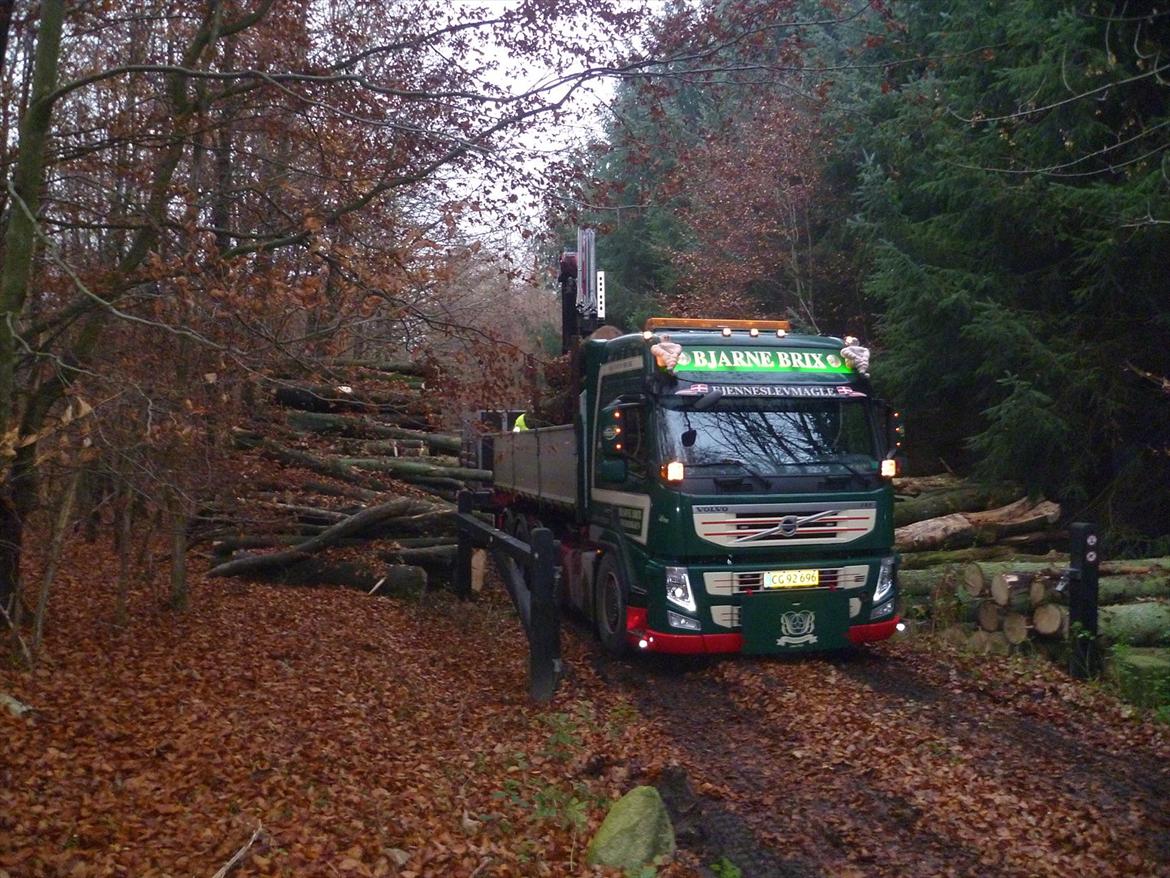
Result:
[{"x": 611, "y": 594}]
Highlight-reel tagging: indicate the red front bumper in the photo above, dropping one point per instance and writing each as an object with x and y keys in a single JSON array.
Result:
[{"x": 644, "y": 639}]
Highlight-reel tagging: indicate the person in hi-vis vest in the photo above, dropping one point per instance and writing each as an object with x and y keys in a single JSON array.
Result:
[{"x": 521, "y": 423}]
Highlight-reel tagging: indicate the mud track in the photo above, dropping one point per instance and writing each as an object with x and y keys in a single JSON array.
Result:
[{"x": 901, "y": 762}]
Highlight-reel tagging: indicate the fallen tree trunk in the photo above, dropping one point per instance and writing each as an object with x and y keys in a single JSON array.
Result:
[
  {"x": 917, "y": 485},
  {"x": 388, "y": 580},
  {"x": 964, "y": 499},
  {"x": 228, "y": 545},
  {"x": 399, "y": 466},
  {"x": 355, "y": 524},
  {"x": 932, "y": 558},
  {"x": 424, "y": 556},
  {"x": 1145, "y": 624},
  {"x": 402, "y": 367},
  {"x": 989, "y": 526},
  {"x": 359, "y": 428}
]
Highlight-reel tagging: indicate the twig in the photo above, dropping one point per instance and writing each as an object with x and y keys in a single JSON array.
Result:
[
  {"x": 28, "y": 659},
  {"x": 239, "y": 855}
]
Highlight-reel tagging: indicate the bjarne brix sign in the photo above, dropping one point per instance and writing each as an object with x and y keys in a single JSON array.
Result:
[{"x": 759, "y": 360}]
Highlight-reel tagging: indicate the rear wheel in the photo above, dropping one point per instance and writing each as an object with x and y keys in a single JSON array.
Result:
[{"x": 611, "y": 598}]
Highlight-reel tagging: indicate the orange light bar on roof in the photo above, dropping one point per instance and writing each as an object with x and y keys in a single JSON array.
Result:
[{"x": 654, "y": 324}]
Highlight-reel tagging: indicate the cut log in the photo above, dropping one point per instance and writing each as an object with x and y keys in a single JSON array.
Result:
[
  {"x": 969, "y": 528},
  {"x": 954, "y": 636},
  {"x": 925, "y": 582},
  {"x": 915, "y": 485},
  {"x": 963, "y": 499},
  {"x": 933, "y": 532},
  {"x": 350, "y": 491},
  {"x": 1011, "y": 590},
  {"x": 402, "y": 367},
  {"x": 1049, "y": 619},
  {"x": 973, "y": 581},
  {"x": 430, "y": 556},
  {"x": 1145, "y": 624},
  {"x": 934, "y": 558},
  {"x": 228, "y": 545},
  {"x": 989, "y": 616},
  {"x": 355, "y": 524},
  {"x": 415, "y": 468},
  {"x": 1015, "y": 628},
  {"x": 1022, "y": 516},
  {"x": 361, "y": 427},
  {"x": 478, "y": 569},
  {"x": 998, "y": 644}
]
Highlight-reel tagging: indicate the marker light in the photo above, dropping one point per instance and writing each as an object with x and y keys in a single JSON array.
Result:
[
  {"x": 753, "y": 332},
  {"x": 647, "y": 335},
  {"x": 780, "y": 333},
  {"x": 642, "y": 644},
  {"x": 674, "y": 471},
  {"x": 889, "y": 468},
  {"x": 726, "y": 331}
]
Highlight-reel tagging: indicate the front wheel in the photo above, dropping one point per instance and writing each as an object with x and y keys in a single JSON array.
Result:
[{"x": 611, "y": 597}]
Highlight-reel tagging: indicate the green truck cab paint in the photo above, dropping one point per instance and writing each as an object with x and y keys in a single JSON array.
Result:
[{"x": 720, "y": 490}]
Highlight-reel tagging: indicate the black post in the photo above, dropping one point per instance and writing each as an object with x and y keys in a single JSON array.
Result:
[
  {"x": 544, "y": 631},
  {"x": 462, "y": 577},
  {"x": 1084, "y": 560}
]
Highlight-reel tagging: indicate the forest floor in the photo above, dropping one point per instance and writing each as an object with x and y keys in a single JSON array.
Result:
[{"x": 344, "y": 734}]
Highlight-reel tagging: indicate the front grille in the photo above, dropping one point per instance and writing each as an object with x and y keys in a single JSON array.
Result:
[
  {"x": 783, "y": 524},
  {"x": 718, "y": 582}
]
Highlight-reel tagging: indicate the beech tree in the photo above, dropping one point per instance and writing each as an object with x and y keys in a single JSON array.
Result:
[{"x": 198, "y": 187}]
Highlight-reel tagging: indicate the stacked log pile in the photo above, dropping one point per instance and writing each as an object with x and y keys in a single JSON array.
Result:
[
  {"x": 940, "y": 519},
  {"x": 997, "y": 606},
  {"x": 366, "y": 485}
]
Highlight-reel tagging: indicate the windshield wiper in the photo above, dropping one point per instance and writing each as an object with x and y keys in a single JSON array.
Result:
[
  {"x": 840, "y": 463},
  {"x": 733, "y": 461}
]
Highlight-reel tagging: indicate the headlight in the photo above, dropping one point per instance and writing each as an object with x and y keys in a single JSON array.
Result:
[
  {"x": 678, "y": 588},
  {"x": 885, "y": 583},
  {"x": 886, "y": 609}
]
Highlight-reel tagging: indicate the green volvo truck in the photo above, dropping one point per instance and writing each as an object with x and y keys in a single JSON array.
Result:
[{"x": 725, "y": 486}]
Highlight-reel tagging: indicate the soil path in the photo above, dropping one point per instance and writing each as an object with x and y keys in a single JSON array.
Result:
[{"x": 902, "y": 762}]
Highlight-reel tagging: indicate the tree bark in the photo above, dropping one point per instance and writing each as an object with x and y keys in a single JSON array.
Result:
[
  {"x": 355, "y": 524},
  {"x": 1146, "y": 624},
  {"x": 56, "y": 546},
  {"x": 360, "y": 427},
  {"x": 180, "y": 594},
  {"x": 963, "y": 499}
]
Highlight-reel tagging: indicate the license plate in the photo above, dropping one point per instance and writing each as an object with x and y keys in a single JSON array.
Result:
[{"x": 791, "y": 578}]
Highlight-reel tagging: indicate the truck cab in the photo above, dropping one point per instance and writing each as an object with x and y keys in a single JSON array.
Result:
[{"x": 729, "y": 484}]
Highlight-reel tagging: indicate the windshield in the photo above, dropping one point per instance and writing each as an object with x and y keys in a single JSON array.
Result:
[{"x": 769, "y": 436}]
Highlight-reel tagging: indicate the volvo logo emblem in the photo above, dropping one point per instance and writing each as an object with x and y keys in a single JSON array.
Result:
[{"x": 788, "y": 525}]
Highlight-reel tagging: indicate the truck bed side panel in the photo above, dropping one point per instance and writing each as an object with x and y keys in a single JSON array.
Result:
[{"x": 540, "y": 464}]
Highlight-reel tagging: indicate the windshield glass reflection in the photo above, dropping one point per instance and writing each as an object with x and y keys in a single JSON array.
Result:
[{"x": 769, "y": 436}]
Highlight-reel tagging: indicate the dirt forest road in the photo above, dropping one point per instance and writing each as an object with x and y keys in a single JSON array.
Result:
[{"x": 903, "y": 761}]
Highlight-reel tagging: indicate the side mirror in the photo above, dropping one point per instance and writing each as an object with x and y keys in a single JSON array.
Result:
[{"x": 612, "y": 470}]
